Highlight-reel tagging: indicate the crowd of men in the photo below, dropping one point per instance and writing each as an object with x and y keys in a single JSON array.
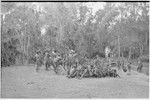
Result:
[{"x": 75, "y": 68}]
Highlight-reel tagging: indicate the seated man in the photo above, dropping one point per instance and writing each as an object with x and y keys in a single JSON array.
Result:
[
  {"x": 76, "y": 70},
  {"x": 86, "y": 71},
  {"x": 58, "y": 61},
  {"x": 72, "y": 72},
  {"x": 54, "y": 53}
]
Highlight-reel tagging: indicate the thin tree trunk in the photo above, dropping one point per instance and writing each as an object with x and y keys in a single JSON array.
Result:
[
  {"x": 28, "y": 44},
  {"x": 129, "y": 57},
  {"x": 123, "y": 52},
  {"x": 146, "y": 39},
  {"x": 141, "y": 51},
  {"x": 1, "y": 25},
  {"x": 1, "y": 32},
  {"x": 24, "y": 49},
  {"x": 118, "y": 47}
]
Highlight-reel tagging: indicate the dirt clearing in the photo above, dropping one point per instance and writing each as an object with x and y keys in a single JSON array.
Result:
[{"x": 24, "y": 82}]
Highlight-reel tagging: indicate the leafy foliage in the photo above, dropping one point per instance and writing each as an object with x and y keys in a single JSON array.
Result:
[{"x": 64, "y": 26}]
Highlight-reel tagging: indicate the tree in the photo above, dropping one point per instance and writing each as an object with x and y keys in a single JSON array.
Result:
[
  {"x": 130, "y": 20},
  {"x": 24, "y": 21}
]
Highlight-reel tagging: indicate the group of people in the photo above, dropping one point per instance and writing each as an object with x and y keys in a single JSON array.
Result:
[
  {"x": 53, "y": 59},
  {"x": 74, "y": 68},
  {"x": 121, "y": 64},
  {"x": 92, "y": 68},
  {"x": 48, "y": 59},
  {"x": 101, "y": 68}
]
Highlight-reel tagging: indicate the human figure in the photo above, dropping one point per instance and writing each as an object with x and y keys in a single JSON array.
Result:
[
  {"x": 47, "y": 60},
  {"x": 107, "y": 51},
  {"x": 73, "y": 68},
  {"x": 97, "y": 61},
  {"x": 73, "y": 71},
  {"x": 140, "y": 66},
  {"x": 70, "y": 61},
  {"x": 54, "y": 53},
  {"x": 38, "y": 61},
  {"x": 58, "y": 61},
  {"x": 123, "y": 66},
  {"x": 129, "y": 66},
  {"x": 118, "y": 64}
]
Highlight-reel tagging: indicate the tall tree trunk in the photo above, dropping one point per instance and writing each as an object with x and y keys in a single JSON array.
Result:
[
  {"x": 129, "y": 57},
  {"x": 119, "y": 46},
  {"x": 28, "y": 44},
  {"x": 1, "y": 32},
  {"x": 122, "y": 52},
  {"x": 147, "y": 35},
  {"x": 24, "y": 50},
  {"x": 141, "y": 50}
]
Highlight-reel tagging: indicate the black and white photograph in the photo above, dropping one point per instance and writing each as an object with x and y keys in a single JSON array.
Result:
[{"x": 75, "y": 50}]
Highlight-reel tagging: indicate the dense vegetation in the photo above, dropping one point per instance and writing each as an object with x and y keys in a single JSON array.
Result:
[{"x": 29, "y": 27}]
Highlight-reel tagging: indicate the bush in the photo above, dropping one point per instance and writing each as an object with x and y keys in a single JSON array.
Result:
[
  {"x": 32, "y": 60},
  {"x": 145, "y": 59},
  {"x": 9, "y": 54},
  {"x": 101, "y": 55}
]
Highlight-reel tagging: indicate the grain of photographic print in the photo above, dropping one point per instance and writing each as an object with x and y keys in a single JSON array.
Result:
[{"x": 74, "y": 49}]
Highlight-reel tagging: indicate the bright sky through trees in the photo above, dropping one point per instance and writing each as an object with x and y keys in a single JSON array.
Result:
[{"x": 95, "y": 6}]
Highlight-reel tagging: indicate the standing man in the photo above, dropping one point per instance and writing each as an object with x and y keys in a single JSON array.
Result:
[
  {"x": 71, "y": 61},
  {"x": 140, "y": 66},
  {"x": 47, "y": 60},
  {"x": 129, "y": 66},
  {"x": 38, "y": 60},
  {"x": 107, "y": 51}
]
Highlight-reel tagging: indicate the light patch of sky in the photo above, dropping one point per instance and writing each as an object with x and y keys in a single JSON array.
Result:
[
  {"x": 43, "y": 29},
  {"x": 7, "y": 13},
  {"x": 95, "y": 6}
]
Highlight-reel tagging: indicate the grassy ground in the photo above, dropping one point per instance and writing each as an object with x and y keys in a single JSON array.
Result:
[{"x": 24, "y": 82}]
